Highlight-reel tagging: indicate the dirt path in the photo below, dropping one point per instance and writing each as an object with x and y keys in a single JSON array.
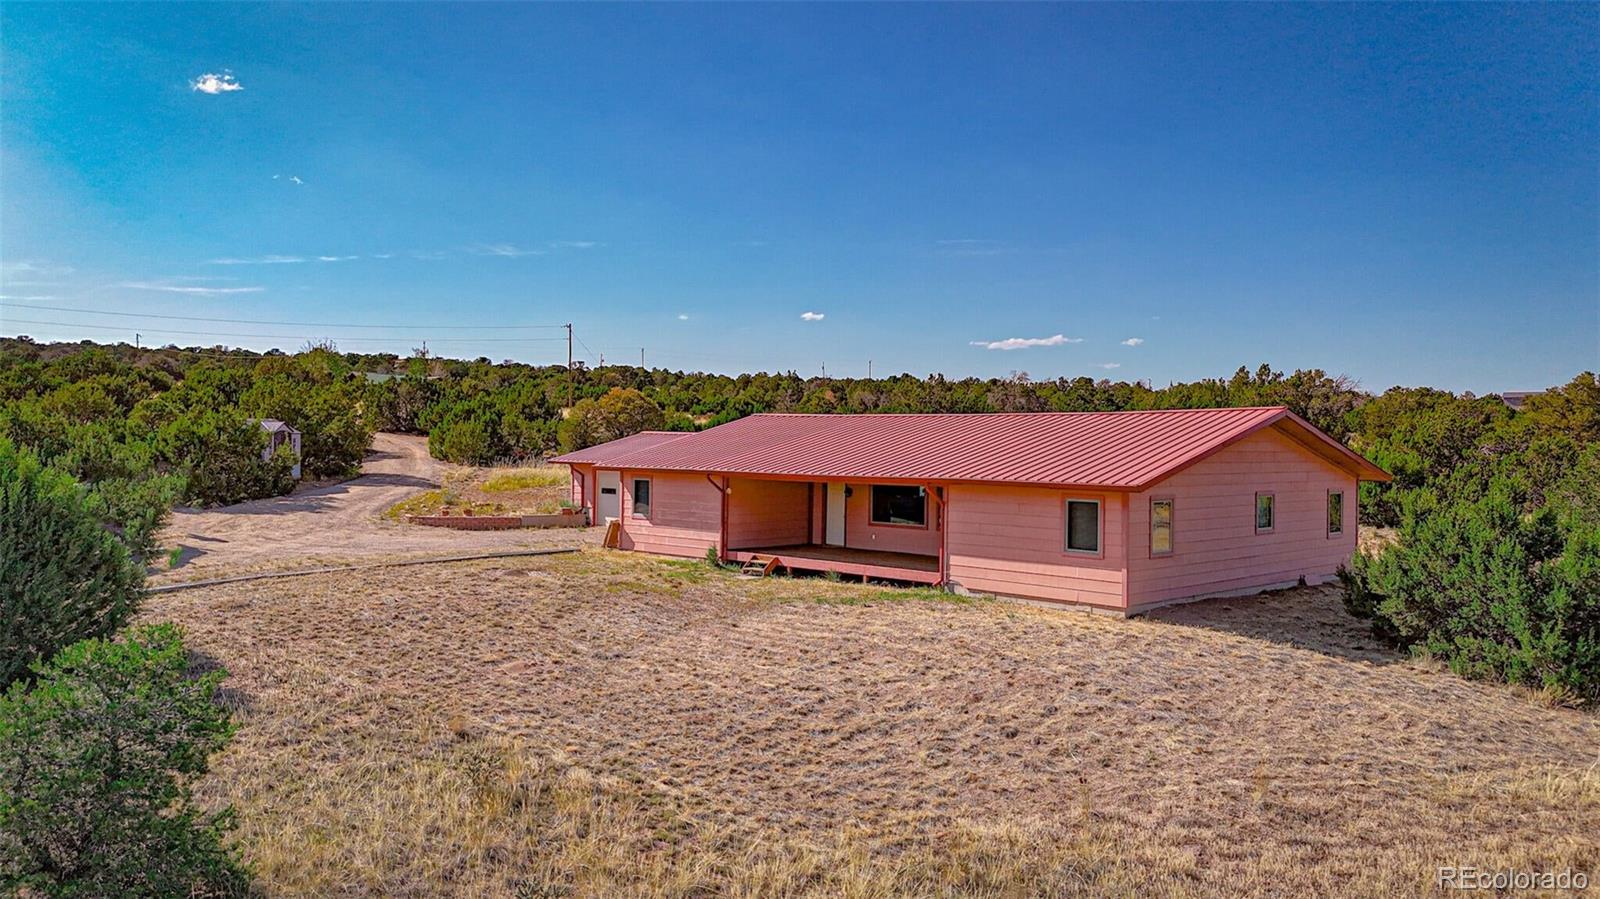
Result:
[{"x": 332, "y": 523}]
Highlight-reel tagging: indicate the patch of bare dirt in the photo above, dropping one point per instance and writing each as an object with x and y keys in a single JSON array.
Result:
[{"x": 334, "y": 523}]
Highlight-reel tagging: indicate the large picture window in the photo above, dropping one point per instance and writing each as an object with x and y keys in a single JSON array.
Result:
[
  {"x": 894, "y": 504},
  {"x": 1161, "y": 527},
  {"x": 641, "y": 497},
  {"x": 1083, "y": 526}
]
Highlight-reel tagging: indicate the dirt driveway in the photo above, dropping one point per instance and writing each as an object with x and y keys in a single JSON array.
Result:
[{"x": 334, "y": 523}]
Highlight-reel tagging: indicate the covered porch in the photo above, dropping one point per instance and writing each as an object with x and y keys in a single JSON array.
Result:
[
  {"x": 883, "y": 531},
  {"x": 862, "y": 563}
]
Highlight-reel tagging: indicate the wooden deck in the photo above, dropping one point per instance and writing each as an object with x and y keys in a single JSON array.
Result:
[{"x": 862, "y": 563}]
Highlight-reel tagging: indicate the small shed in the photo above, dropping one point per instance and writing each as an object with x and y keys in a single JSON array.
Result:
[{"x": 279, "y": 434}]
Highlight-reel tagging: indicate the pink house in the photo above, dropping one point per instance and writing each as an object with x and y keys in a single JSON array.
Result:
[{"x": 1121, "y": 511}]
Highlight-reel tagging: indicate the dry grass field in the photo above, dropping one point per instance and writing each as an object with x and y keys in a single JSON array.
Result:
[
  {"x": 528, "y": 489},
  {"x": 601, "y": 724}
]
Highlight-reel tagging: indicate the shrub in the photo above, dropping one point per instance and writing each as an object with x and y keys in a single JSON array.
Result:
[
  {"x": 620, "y": 412},
  {"x": 63, "y": 576},
  {"x": 220, "y": 456},
  {"x": 333, "y": 435},
  {"x": 469, "y": 441},
  {"x": 1493, "y": 591},
  {"x": 96, "y": 760}
]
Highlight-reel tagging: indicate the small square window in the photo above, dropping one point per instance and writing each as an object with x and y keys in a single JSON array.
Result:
[
  {"x": 1083, "y": 526},
  {"x": 1161, "y": 527},
  {"x": 641, "y": 497},
  {"x": 1335, "y": 513},
  {"x": 1265, "y": 512}
]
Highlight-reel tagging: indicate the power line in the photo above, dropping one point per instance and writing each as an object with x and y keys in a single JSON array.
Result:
[
  {"x": 385, "y": 337},
  {"x": 585, "y": 346},
  {"x": 256, "y": 321}
]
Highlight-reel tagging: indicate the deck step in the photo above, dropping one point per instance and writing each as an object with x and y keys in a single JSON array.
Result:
[{"x": 759, "y": 565}]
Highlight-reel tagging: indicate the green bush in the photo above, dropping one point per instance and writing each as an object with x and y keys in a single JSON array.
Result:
[
  {"x": 63, "y": 576},
  {"x": 219, "y": 454},
  {"x": 96, "y": 762},
  {"x": 1494, "y": 591},
  {"x": 617, "y": 414},
  {"x": 469, "y": 441},
  {"x": 333, "y": 435}
]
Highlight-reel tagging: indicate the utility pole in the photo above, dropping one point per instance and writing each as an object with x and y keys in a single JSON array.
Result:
[
  {"x": 641, "y": 357},
  {"x": 569, "y": 365},
  {"x": 136, "y": 340},
  {"x": 869, "y": 369}
]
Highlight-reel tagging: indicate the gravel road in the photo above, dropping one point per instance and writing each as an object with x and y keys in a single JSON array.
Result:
[{"x": 335, "y": 523}]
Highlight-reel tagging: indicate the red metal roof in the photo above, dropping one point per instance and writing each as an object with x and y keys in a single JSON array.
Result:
[
  {"x": 1117, "y": 450},
  {"x": 602, "y": 453}
]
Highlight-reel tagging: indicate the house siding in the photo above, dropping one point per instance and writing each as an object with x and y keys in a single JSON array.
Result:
[
  {"x": 1010, "y": 541},
  {"x": 583, "y": 490},
  {"x": 861, "y": 533},
  {"x": 768, "y": 513},
  {"x": 685, "y": 514},
  {"x": 1216, "y": 548}
]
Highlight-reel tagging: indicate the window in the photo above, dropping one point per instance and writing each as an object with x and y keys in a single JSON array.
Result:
[
  {"x": 641, "y": 497},
  {"x": 1335, "y": 513},
  {"x": 1161, "y": 527},
  {"x": 1083, "y": 526},
  {"x": 1264, "y": 512},
  {"x": 900, "y": 505}
]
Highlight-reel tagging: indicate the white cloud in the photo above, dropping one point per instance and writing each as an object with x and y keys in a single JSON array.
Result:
[
  {"x": 502, "y": 249},
  {"x": 1022, "y": 343},
  {"x": 195, "y": 291},
  {"x": 335, "y": 258},
  {"x": 1133, "y": 341},
  {"x": 215, "y": 83},
  {"x": 382, "y": 255},
  {"x": 574, "y": 244},
  {"x": 257, "y": 260},
  {"x": 296, "y": 179},
  {"x": 812, "y": 316},
  {"x": 683, "y": 316},
  {"x": 11, "y": 270},
  {"x": 24, "y": 299},
  {"x": 1109, "y": 365}
]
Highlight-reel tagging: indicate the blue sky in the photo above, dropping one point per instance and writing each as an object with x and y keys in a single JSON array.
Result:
[{"x": 1406, "y": 194}]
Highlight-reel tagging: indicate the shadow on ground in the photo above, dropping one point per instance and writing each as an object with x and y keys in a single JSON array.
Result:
[
  {"x": 1311, "y": 618},
  {"x": 234, "y": 699}
]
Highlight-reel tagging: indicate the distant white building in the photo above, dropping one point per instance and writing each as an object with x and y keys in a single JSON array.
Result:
[{"x": 278, "y": 434}]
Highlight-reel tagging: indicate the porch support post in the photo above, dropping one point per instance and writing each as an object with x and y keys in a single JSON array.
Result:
[
  {"x": 722, "y": 533},
  {"x": 944, "y": 531}
]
